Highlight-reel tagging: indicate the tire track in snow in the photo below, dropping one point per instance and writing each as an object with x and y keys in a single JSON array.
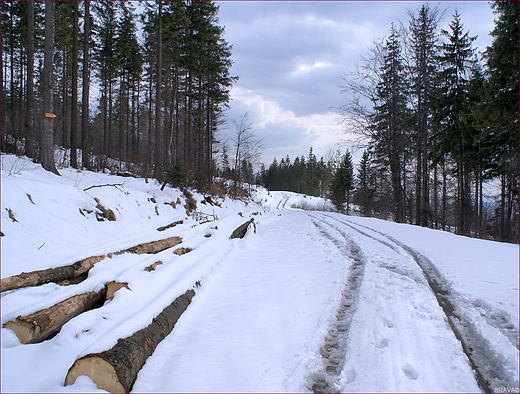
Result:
[
  {"x": 487, "y": 365},
  {"x": 334, "y": 347}
]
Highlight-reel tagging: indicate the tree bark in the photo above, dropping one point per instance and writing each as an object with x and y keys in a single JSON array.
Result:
[
  {"x": 46, "y": 323},
  {"x": 37, "y": 278},
  {"x": 153, "y": 247},
  {"x": 74, "y": 102},
  {"x": 159, "y": 134},
  {"x": 67, "y": 272},
  {"x": 29, "y": 117},
  {"x": 86, "y": 89},
  {"x": 116, "y": 369},
  {"x": 47, "y": 152}
]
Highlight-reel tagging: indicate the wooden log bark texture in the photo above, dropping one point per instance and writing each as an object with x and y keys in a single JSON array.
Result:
[
  {"x": 66, "y": 274},
  {"x": 116, "y": 369},
  {"x": 241, "y": 231},
  {"x": 37, "y": 278},
  {"x": 152, "y": 247},
  {"x": 44, "y": 324}
]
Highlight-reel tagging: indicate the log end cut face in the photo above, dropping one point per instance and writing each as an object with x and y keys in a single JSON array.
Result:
[
  {"x": 24, "y": 330},
  {"x": 99, "y": 370}
]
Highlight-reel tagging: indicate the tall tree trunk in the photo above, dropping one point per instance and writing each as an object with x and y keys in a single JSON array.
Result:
[
  {"x": 109, "y": 152},
  {"x": 444, "y": 190},
  {"x": 3, "y": 98},
  {"x": 12, "y": 123},
  {"x": 502, "y": 207},
  {"x": 74, "y": 101},
  {"x": 435, "y": 197},
  {"x": 86, "y": 89},
  {"x": 425, "y": 193},
  {"x": 481, "y": 222},
  {"x": 29, "y": 116},
  {"x": 47, "y": 154},
  {"x": 418, "y": 179},
  {"x": 159, "y": 138}
]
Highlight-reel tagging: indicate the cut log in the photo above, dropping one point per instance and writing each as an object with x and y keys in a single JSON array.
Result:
[
  {"x": 114, "y": 286},
  {"x": 241, "y": 231},
  {"x": 46, "y": 323},
  {"x": 37, "y": 278},
  {"x": 153, "y": 247},
  {"x": 116, "y": 369},
  {"x": 68, "y": 273}
]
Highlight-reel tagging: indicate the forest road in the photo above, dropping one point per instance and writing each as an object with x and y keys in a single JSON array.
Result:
[{"x": 390, "y": 332}]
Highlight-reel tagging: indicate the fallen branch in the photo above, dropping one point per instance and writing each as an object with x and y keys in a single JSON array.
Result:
[
  {"x": 203, "y": 218},
  {"x": 170, "y": 225},
  {"x": 116, "y": 369},
  {"x": 108, "y": 184},
  {"x": 46, "y": 323}
]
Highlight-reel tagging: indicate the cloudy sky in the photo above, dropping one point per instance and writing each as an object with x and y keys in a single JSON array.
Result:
[{"x": 290, "y": 57}]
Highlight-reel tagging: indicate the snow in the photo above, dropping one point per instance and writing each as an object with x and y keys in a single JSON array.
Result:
[{"x": 299, "y": 285}]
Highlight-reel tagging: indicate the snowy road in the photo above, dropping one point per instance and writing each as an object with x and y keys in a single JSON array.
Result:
[{"x": 310, "y": 301}]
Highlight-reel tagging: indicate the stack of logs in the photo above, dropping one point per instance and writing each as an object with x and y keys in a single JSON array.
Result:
[{"x": 116, "y": 369}]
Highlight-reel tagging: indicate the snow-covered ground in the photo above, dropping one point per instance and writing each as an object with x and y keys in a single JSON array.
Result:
[{"x": 311, "y": 300}]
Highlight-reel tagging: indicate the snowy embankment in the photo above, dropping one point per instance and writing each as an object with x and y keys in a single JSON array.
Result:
[{"x": 308, "y": 301}]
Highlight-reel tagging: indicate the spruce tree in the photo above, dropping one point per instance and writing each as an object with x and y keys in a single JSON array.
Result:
[
  {"x": 365, "y": 185},
  {"x": 390, "y": 122},
  {"x": 503, "y": 111},
  {"x": 343, "y": 183},
  {"x": 423, "y": 30},
  {"x": 455, "y": 136}
]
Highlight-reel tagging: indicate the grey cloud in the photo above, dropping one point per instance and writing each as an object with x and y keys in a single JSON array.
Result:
[{"x": 272, "y": 40}]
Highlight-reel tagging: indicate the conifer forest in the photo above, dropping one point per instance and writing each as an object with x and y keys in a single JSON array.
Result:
[{"x": 141, "y": 88}]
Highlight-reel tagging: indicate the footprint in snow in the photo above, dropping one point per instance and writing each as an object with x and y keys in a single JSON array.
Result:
[{"x": 410, "y": 372}]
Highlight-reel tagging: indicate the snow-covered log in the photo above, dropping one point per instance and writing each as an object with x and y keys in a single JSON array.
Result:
[
  {"x": 241, "y": 231},
  {"x": 66, "y": 273},
  {"x": 36, "y": 278},
  {"x": 116, "y": 369},
  {"x": 43, "y": 324},
  {"x": 153, "y": 247}
]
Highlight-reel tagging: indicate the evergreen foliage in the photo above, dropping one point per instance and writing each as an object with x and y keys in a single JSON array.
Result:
[
  {"x": 442, "y": 124},
  {"x": 161, "y": 94},
  {"x": 342, "y": 183},
  {"x": 307, "y": 176}
]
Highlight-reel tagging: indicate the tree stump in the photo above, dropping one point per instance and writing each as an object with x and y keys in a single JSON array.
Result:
[
  {"x": 44, "y": 324},
  {"x": 116, "y": 369}
]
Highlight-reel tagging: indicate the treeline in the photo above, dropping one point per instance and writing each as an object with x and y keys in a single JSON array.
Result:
[
  {"x": 136, "y": 86},
  {"x": 441, "y": 122},
  {"x": 305, "y": 175}
]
